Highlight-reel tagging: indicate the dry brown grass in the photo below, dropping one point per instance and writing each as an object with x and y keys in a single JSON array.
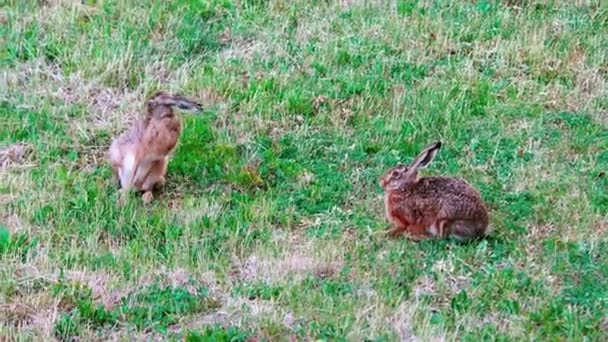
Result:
[
  {"x": 14, "y": 155},
  {"x": 46, "y": 82},
  {"x": 272, "y": 240},
  {"x": 297, "y": 261}
]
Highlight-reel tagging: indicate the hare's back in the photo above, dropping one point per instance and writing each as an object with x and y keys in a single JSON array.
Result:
[
  {"x": 125, "y": 142},
  {"x": 133, "y": 135},
  {"x": 457, "y": 197},
  {"x": 447, "y": 186}
]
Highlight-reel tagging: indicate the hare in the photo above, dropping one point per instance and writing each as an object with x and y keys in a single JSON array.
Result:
[
  {"x": 432, "y": 207},
  {"x": 139, "y": 156}
]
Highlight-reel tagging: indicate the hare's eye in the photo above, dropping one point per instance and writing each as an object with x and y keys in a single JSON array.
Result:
[{"x": 395, "y": 173}]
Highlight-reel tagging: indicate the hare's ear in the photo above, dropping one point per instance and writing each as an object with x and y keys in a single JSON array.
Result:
[
  {"x": 178, "y": 101},
  {"x": 425, "y": 157},
  {"x": 186, "y": 104}
]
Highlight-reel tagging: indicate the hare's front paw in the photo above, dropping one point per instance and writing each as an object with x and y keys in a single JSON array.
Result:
[
  {"x": 147, "y": 197},
  {"x": 394, "y": 232},
  {"x": 416, "y": 238}
]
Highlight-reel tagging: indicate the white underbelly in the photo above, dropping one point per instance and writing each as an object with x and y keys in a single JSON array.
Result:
[{"x": 125, "y": 172}]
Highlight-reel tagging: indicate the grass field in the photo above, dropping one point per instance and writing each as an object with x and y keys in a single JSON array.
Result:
[{"x": 272, "y": 224}]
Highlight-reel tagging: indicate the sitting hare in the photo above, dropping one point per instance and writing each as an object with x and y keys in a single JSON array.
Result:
[
  {"x": 432, "y": 207},
  {"x": 139, "y": 156}
]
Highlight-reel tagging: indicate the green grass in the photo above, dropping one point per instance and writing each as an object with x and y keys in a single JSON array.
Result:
[{"x": 271, "y": 223}]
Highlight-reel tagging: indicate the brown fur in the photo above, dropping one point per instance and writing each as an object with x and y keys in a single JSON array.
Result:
[
  {"x": 140, "y": 155},
  {"x": 432, "y": 207}
]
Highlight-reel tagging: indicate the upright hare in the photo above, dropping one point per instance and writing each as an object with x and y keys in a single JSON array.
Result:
[
  {"x": 140, "y": 155},
  {"x": 432, "y": 207}
]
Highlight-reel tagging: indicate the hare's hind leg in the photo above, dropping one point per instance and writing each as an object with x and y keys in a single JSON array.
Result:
[
  {"x": 155, "y": 177},
  {"x": 465, "y": 230}
]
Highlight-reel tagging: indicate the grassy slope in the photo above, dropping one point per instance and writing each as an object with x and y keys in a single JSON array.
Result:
[{"x": 271, "y": 222}]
